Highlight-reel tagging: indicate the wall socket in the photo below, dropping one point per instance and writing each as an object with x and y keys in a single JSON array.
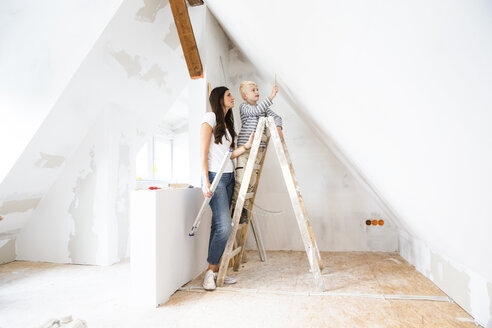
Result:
[{"x": 374, "y": 222}]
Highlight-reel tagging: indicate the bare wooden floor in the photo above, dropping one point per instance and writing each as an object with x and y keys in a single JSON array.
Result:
[{"x": 363, "y": 290}]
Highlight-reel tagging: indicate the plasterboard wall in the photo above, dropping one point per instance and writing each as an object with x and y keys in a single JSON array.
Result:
[
  {"x": 469, "y": 289},
  {"x": 123, "y": 89},
  {"x": 38, "y": 59},
  {"x": 83, "y": 218},
  {"x": 337, "y": 204},
  {"x": 401, "y": 89}
]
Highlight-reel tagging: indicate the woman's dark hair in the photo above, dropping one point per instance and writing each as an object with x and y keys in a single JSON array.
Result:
[{"x": 216, "y": 102}]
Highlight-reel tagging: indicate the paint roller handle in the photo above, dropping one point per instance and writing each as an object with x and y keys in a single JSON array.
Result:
[
  {"x": 198, "y": 219},
  {"x": 212, "y": 188}
]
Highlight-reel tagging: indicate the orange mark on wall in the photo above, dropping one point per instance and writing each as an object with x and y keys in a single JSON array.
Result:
[{"x": 381, "y": 222}]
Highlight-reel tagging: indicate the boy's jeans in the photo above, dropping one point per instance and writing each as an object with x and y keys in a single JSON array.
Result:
[
  {"x": 221, "y": 216},
  {"x": 242, "y": 160}
]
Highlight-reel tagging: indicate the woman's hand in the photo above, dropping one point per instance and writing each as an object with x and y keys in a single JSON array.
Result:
[
  {"x": 243, "y": 148},
  {"x": 248, "y": 144},
  {"x": 206, "y": 190}
]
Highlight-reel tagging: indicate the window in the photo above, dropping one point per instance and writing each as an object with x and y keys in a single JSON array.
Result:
[{"x": 155, "y": 160}]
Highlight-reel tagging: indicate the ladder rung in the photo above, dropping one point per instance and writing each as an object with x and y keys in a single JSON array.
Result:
[
  {"x": 249, "y": 195},
  {"x": 235, "y": 252}
]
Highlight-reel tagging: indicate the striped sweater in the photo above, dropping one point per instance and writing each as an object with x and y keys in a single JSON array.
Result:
[{"x": 250, "y": 115}]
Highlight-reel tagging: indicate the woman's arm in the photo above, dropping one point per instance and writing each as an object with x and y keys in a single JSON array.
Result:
[
  {"x": 242, "y": 149},
  {"x": 205, "y": 135}
]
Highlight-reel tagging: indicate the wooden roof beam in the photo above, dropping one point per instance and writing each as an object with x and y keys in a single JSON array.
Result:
[{"x": 187, "y": 38}]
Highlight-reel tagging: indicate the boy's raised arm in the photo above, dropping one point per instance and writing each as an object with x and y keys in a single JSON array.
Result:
[
  {"x": 274, "y": 91},
  {"x": 269, "y": 112},
  {"x": 255, "y": 110}
]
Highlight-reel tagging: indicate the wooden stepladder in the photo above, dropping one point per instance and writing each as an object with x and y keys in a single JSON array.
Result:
[{"x": 303, "y": 221}]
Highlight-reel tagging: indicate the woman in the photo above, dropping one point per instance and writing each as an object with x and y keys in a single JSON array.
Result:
[{"x": 216, "y": 137}]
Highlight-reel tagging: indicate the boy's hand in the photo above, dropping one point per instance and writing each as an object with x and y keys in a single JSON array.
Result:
[
  {"x": 248, "y": 144},
  {"x": 279, "y": 129},
  {"x": 274, "y": 92}
]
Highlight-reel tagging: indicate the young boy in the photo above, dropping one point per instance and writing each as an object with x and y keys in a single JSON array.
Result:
[{"x": 250, "y": 113}]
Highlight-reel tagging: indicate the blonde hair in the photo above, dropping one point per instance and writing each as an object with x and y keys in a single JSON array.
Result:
[{"x": 243, "y": 86}]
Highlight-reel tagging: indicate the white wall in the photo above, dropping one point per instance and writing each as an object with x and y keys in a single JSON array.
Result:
[
  {"x": 402, "y": 89},
  {"x": 88, "y": 203},
  {"x": 7, "y": 250},
  {"x": 176, "y": 126},
  {"x": 469, "y": 289},
  {"x": 337, "y": 204},
  {"x": 123, "y": 89},
  {"x": 41, "y": 47},
  {"x": 83, "y": 218},
  {"x": 339, "y": 213}
]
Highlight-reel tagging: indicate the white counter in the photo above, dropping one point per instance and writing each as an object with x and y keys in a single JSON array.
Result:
[{"x": 163, "y": 256}]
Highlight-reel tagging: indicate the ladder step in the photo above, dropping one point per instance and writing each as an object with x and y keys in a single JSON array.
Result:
[
  {"x": 249, "y": 195},
  {"x": 235, "y": 252}
]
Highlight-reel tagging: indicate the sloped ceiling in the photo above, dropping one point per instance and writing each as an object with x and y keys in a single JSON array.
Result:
[
  {"x": 42, "y": 45},
  {"x": 134, "y": 65},
  {"x": 403, "y": 89}
]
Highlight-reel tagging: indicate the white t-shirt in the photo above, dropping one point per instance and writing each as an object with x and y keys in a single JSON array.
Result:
[{"x": 216, "y": 152}]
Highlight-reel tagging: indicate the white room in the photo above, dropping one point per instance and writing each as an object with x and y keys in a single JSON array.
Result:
[{"x": 385, "y": 111}]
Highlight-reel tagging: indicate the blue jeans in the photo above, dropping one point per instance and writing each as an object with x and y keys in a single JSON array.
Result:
[{"x": 221, "y": 216}]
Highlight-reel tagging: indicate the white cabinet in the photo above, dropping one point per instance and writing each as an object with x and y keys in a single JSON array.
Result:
[{"x": 163, "y": 256}]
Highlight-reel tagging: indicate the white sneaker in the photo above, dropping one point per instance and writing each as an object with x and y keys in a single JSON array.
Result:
[
  {"x": 227, "y": 280},
  {"x": 209, "y": 280}
]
